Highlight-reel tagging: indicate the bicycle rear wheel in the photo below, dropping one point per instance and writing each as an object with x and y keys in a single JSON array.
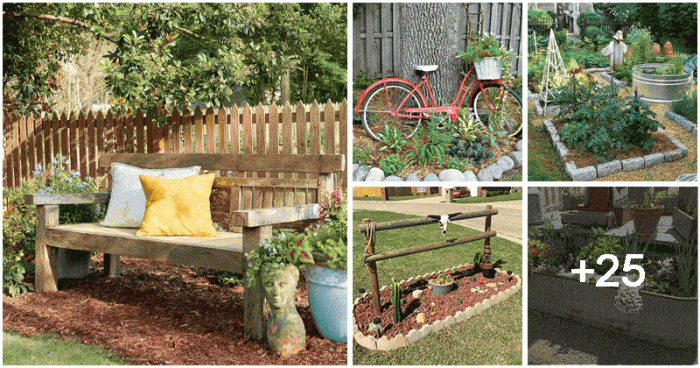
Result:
[
  {"x": 383, "y": 108},
  {"x": 498, "y": 107}
]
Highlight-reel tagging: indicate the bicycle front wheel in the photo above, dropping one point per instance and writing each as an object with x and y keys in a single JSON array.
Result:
[
  {"x": 498, "y": 107},
  {"x": 386, "y": 106}
]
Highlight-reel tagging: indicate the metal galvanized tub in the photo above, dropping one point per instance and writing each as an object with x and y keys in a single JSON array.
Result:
[{"x": 659, "y": 88}]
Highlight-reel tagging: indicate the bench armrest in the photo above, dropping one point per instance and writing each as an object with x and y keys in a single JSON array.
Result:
[
  {"x": 275, "y": 216},
  {"x": 47, "y": 199}
]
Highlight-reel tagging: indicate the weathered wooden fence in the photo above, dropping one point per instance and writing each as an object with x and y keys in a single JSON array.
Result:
[
  {"x": 370, "y": 257},
  {"x": 300, "y": 129},
  {"x": 377, "y": 34}
]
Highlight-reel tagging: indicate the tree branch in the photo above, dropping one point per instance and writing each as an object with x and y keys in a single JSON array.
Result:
[{"x": 73, "y": 22}]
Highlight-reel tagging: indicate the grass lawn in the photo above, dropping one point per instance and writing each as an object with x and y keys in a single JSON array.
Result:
[
  {"x": 499, "y": 198},
  {"x": 400, "y": 198},
  {"x": 543, "y": 162},
  {"x": 491, "y": 338},
  {"x": 53, "y": 350}
]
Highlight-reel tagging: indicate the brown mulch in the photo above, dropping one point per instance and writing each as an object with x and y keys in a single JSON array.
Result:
[
  {"x": 661, "y": 144},
  {"x": 435, "y": 307},
  {"x": 160, "y": 314}
]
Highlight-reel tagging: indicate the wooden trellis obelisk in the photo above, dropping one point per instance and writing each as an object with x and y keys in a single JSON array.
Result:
[{"x": 553, "y": 70}]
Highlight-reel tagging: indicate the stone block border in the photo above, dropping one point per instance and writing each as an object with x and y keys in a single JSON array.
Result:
[
  {"x": 493, "y": 172},
  {"x": 683, "y": 122},
  {"x": 401, "y": 340},
  {"x": 608, "y": 77},
  {"x": 613, "y": 167}
]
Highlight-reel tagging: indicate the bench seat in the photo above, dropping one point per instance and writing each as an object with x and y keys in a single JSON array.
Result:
[{"x": 222, "y": 253}]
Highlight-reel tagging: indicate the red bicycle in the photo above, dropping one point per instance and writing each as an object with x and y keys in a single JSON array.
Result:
[{"x": 400, "y": 104}]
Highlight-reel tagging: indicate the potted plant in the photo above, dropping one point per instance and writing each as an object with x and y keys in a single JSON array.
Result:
[
  {"x": 667, "y": 198},
  {"x": 486, "y": 54},
  {"x": 646, "y": 215},
  {"x": 326, "y": 279},
  {"x": 441, "y": 284},
  {"x": 275, "y": 267}
]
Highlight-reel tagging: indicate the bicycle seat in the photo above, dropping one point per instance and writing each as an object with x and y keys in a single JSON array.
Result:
[{"x": 425, "y": 68}]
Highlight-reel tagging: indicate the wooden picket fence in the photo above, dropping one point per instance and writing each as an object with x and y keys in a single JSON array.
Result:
[{"x": 288, "y": 129}]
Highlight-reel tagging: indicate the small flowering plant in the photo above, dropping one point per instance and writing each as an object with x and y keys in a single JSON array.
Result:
[
  {"x": 283, "y": 249},
  {"x": 329, "y": 236},
  {"x": 441, "y": 279},
  {"x": 485, "y": 46}
]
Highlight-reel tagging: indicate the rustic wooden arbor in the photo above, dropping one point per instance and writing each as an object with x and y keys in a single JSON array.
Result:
[{"x": 370, "y": 258}]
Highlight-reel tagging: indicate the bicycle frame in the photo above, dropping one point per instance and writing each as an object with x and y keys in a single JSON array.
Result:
[{"x": 452, "y": 110}]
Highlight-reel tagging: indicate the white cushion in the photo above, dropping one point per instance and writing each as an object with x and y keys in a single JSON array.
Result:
[{"x": 127, "y": 204}]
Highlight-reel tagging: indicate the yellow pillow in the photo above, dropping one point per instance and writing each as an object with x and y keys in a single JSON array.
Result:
[{"x": 177, "y": 206}]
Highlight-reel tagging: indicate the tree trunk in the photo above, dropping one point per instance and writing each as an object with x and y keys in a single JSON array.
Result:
[{"x": 430, "y": 37}]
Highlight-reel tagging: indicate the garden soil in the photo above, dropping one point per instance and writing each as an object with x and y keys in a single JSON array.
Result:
[
  {"x": 160, "y": 314},
  {"x": 435, "y": 307}
]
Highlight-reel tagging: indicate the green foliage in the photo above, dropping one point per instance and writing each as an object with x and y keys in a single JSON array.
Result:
[
  {"x": 687, "y": 107},
  {"x": 639, "y": 40},
  {"x": 538, "y": 253},
  {"x": 485, "y": 46},
  {"x": 588, "y": 59},
  {"x": 362, "y": 81},
  {"x": 602, "y": 245},
  {"x": 173, "y": 55},
  {"x": 392, "y": 138},
  {"x": 599, "y": 120},
  {"x": 457, "y": 164},
  {"x": 329, "y": 236},
  {"x": 616, "y": 12},
  {"x": 396, "y": 300},
  {"x": 672, "y": 67},
  {"x": 430, "y": 143},
  {"x": 589, "y": 18},
  {"x": 391, "y": 164},
  {"x": 539, "y": 21},
  {"x": 670, "y": 21},
  {"x": 561, "y": 38},
  {"x": 19, "y": 222},
  {"x": 282, "y": 249},
  {"x": 228, "y": 278},
  {"x": 361, "y": 156}
]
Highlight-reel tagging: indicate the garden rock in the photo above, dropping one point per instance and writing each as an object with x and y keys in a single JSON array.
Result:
[
  {"x": 608, "y": 77},
  {"x": 431, "y": 177},
  {"x": 469, "y": 176},
  {"x": 519, "y": 145},
  {"x": 506, "y": 163},
  {"x": 682, "y": 121},
  {"x": 420, "y": 318},
  {"x": 383, "y": 343},
  {"x": 393, "y": 178},
  {"x": 561, "y": 149},
  {"x": 688, "y": 177},
  {"x": 412, "y": 177},
  {"x": 609, "y": 168},
  {"x": 451, "y": 175},
  {"x": 552, "y": 130},
  {"x": 653, "y": 160},
  {"x": 585, "y": 174},
  {"x": 360, "y": 173},
  {"x": 375, "y": 174},
  {"x": 417, "y": 293},
  {"x": 413, "y": 336},
  {"x": 674, "y": 155},
  {"x": 517, "y": 157},
  {"x": 632, "y": 164}
]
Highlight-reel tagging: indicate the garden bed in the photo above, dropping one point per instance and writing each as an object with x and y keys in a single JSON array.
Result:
[
  {"x": 440, "y": 311},
  {"x": 666, "y": 320},
  {"x": 582, "y": 167},
  {"x": 160, "y": 314}
]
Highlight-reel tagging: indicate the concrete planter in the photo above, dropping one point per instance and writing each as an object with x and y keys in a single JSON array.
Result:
[
  {"x": 659, "y": 88},
  {"x": 684, "y": 224},
  {"x": 665, "y": 320},
  {"x": 646, "y": 219}
]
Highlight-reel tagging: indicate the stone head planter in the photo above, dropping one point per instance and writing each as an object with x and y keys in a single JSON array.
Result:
[
  {"x": 286, "y": 334},
  {"x": 659, "y": 88}
]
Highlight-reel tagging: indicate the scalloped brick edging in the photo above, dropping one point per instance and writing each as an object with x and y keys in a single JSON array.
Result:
[
  {"x": 683, "y": 122},
  {"x": 401, "y": 340},
  {"x": 616, "y": 166}
]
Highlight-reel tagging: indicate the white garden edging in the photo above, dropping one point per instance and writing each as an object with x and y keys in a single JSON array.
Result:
[{"x": 401, "y": 340}]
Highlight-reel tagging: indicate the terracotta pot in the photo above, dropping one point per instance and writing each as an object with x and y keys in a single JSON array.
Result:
[
  {"x": 668, "y": 49},
  {"x": 656, "y": 49},
  {"x": 646, "y": 219}
]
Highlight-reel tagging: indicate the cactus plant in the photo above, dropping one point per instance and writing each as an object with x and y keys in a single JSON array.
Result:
[{"x": 396, "y": 300}]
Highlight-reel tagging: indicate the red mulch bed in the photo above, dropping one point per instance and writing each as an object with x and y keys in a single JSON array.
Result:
[
  {"x": 160, "y": 314},
  {"x": 436, "y": 308}
]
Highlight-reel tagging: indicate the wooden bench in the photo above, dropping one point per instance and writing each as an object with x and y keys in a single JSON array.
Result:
[{"x": 64, "y": 250}]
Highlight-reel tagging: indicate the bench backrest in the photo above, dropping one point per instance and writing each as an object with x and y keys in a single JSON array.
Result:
[{"x": 249, "y": 181}]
